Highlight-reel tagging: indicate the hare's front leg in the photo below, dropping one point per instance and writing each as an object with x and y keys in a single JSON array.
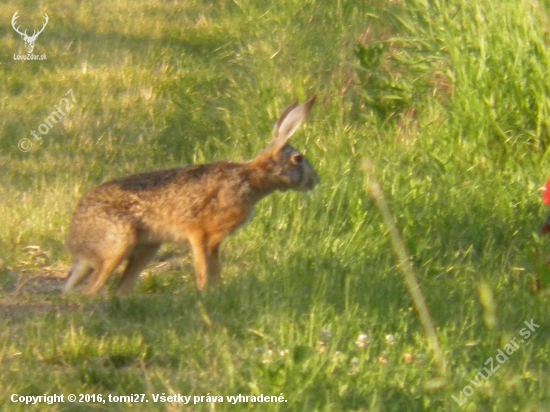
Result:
[
  {"x": 205, "y": 256},
  {"x": 212, "y": 256}
]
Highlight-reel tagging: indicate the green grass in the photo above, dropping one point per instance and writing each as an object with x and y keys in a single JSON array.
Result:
[{"x": 447, "y": 99}]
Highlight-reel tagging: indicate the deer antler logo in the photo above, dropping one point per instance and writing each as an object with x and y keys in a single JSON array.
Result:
[{"x": 29, "y": 40}]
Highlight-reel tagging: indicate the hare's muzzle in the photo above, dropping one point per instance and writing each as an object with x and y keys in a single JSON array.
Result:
[{"x": 309, "y": 180}]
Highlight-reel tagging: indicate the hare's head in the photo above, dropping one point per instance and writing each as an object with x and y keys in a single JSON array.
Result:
[{"x": 287, "y": 166}]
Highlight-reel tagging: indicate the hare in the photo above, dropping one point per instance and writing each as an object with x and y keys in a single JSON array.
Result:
[{"x": 129, "y": 218}]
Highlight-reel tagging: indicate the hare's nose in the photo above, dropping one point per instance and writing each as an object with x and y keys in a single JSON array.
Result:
[{"x": 311, "y": 182}]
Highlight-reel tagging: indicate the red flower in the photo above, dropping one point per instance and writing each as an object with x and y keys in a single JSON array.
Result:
[{"x": 546, "y": 193}]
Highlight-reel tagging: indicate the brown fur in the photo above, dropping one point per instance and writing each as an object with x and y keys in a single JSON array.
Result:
[{"x": 130, "y": 218}]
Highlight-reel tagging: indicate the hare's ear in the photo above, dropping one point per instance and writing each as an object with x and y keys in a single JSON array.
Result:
[{"x": 289, "y": 121}]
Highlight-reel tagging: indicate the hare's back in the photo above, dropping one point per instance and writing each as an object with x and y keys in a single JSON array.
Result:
[{"x": 215, "y": 195}]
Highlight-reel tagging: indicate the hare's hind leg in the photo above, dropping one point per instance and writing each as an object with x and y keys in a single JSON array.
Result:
[
  {"x": 79, "y": 271},
  {"x": 139, "y": 257},
  {"x": 105, "y": 269}
]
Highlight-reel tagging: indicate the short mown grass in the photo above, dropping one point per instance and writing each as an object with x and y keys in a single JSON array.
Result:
[{"x": 447, "y": 100}]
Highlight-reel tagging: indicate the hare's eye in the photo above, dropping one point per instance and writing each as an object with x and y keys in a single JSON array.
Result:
[{"x": 297, "y": 159}]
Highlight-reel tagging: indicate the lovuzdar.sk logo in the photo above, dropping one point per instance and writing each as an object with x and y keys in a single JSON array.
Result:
[{"x": 29, "y": 40}]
